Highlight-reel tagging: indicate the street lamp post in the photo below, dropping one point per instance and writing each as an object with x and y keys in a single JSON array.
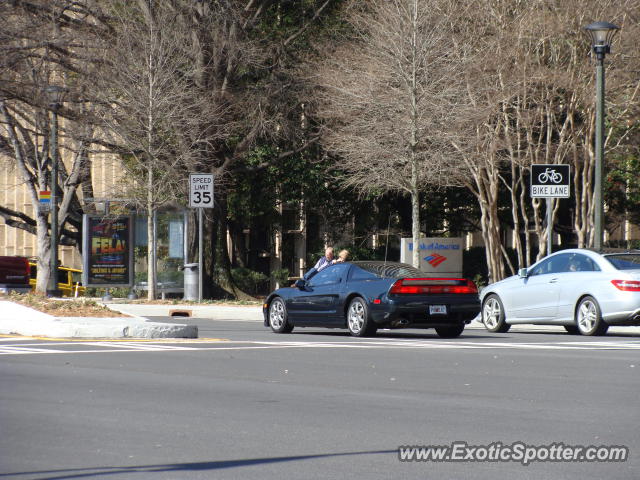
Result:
[
  {"x": 601, "y": 35},
  {"x": 55, "y": 94}
]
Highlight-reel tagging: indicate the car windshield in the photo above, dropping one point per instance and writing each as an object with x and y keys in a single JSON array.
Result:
[
  {"x": 391, "y": 269},
  {"x": 625, "y": 261}
]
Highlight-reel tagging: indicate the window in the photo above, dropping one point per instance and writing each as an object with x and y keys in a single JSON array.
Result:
[
  {"x": 555, "y": 264},
  {"x": 563, "y": 263},
  {"x": 581, "y": 263},
  {"x": 329, "y": 275},
  {"x": 63, "y": 276},
  {"x": 76, "y": 277},
  {"x": 360, "y": 274},
  {"x": 390, "y": 269},
  {"x": 628, "y": 261}
]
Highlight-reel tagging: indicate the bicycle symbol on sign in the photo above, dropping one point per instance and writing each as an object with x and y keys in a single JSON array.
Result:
[{"x": 550, "y": 175}]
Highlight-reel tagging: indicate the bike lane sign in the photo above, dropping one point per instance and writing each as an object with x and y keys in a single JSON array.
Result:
[{"x": 550, "y": 181}]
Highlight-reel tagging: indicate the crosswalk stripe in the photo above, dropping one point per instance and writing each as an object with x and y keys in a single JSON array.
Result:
[
  {"x": 137, "y": 346},
  {"x": 23, "y": 350},
  {"x": 406, "y": 344}
]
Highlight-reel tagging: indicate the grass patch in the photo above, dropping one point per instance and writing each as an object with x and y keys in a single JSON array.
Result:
[{"x": 72, "y": 307}]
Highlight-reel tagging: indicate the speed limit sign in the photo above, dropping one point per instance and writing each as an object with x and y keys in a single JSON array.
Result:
[{"x": 201, "y": 190}]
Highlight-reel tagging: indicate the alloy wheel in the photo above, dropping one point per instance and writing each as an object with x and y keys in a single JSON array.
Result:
[
  {"x": 491, "y": 313},
  {"x": 589, "y": 318},
  {"x": 277, "y": 314},
  {"x": 356, "y": 317}
]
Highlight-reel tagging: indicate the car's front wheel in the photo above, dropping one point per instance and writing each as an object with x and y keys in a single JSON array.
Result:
[
  {"x": 493, "y": 315},
  {"x": 278, "y": 318},
  {"x": 589, "y": 318},
  {"x": 450, "y": 331},
  {"x": 358, "y": 321}
]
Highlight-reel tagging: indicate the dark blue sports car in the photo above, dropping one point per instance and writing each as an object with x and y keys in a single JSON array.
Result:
[{"x": 365, "y": 296}]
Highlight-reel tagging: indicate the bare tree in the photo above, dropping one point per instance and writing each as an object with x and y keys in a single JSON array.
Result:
[
  {"x": 42, "y": 43},
  {"x": 529, "y": 102},
  {"x": 385, "y": 99},
  {"x": 247, "y": 55},
  {"x": 152, "y": 106}
]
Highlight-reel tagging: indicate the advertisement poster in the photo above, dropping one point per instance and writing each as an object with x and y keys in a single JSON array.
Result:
[
  {"x": 108, "y": 251},
  {"x": 440, "y": 256}
]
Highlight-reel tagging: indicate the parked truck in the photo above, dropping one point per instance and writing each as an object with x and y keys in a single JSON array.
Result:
[
  {"x": 14, "y": 275},
  {"x": 69, "y": 280}
]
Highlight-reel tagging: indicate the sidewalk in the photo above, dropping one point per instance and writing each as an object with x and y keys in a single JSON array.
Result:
[{"x": 16, "y": 319}]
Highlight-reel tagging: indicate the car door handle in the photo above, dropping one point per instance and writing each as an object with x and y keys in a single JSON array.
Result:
[{"x": 553, "y": 280}]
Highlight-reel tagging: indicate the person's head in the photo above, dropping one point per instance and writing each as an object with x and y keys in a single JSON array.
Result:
[
  {"x": 343, "y": 255},
  {"x": 573, "y": 264},
  {"x": 329, "y": 253}
]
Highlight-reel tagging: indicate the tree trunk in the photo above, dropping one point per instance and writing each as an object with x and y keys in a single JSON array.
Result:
[
  {"x": 583, "y": 167},
  {"x": 415, "y": 193},
  {"x": 151, "y": 244},
  {"x": 487, "y": 193},
  {"x": 44, "y": 253},
  {"x": 415, "y": 227},
  {"x": 539, "y": 228}
]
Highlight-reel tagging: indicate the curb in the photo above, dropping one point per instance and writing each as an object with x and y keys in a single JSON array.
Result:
[
  {"x": 17, "y": 319},
  {"x": 211, "y": 312}
]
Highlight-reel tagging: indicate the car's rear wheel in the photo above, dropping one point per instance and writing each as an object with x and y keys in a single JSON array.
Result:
[
  {"x": 358, "y": 321},
  {"x": 589, "y": 318},
  {"x": 278, "y": 317},
  {"x": 493, "y": 315},
  {"x": 451, "y": 331}
]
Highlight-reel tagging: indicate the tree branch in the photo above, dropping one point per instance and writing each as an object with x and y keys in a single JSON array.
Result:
[
  {"x": 304, "y": 28},
  {"x": 28, "y": 224}
]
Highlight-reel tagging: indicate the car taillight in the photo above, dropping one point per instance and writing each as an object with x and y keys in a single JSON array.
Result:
[
  {"x": 426, "y": 286},
  {"x": 627, "y": 285}
]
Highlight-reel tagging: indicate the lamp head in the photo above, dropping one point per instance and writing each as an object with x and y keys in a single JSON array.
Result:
[
  {"x": 55, "y": 94},
  {"x": 601, "y": 36}
]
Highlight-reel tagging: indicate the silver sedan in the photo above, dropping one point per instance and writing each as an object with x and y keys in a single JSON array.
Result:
[{"x": 582, "y": 290}]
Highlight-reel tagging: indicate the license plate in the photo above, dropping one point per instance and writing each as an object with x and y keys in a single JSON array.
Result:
[{"x": 437, "y": 309}]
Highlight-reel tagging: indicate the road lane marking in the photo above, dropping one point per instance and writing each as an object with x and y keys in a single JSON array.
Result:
[
  {"x": 169, "y": 345},
  {"x": 66, "y": 340},
  {"x": 11, "y": 350}
]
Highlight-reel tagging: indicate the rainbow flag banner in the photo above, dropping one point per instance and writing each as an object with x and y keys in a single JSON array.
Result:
[{"x": 44, "y": 204}]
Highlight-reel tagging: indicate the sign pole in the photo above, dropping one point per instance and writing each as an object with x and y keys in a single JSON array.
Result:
[
  {"x": 53, "y": 291},
  {"x": 200, "y": 196},
  {"x": 200, "y": 256},
  {"x": 185, "y": 236},
  {"x": 549, "y": 226}
]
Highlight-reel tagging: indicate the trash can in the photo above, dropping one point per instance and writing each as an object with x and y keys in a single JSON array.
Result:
[{"x": 190, "y": 281}]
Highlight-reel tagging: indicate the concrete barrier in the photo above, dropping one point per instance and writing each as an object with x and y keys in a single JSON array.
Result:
[{"x": 16, "y": 319}]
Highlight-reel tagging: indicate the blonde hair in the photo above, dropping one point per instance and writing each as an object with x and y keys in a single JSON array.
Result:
[{"x": 346, "y": 254}]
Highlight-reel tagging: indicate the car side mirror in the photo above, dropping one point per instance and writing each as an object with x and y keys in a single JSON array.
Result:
[
  {"x": 300, "y": 283},
  {"x": 523, "y": 273}
]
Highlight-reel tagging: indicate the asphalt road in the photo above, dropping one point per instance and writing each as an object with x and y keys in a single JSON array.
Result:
[{"x": 248, "y": 404}]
